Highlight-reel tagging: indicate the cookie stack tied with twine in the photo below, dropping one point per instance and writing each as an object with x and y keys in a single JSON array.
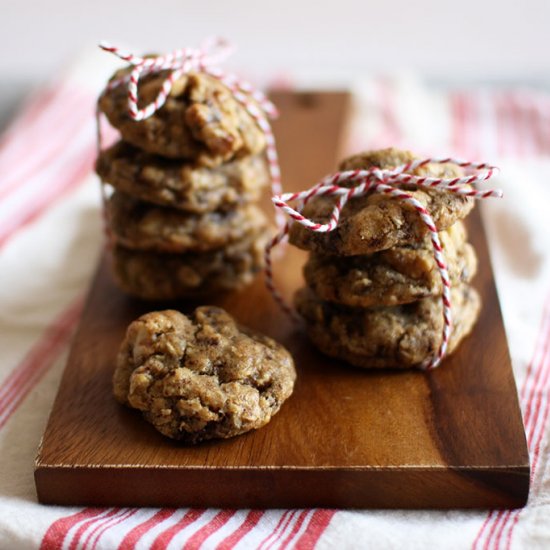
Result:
[
  {"x": 195, "y": 153},
  {"x": 389, "y": 269}
]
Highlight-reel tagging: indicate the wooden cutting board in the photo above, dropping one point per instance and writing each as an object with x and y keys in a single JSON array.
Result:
[{"x": 451, "y": 438}]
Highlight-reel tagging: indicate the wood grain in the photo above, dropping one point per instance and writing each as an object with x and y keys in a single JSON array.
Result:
[{"x": 346, "y": 438}]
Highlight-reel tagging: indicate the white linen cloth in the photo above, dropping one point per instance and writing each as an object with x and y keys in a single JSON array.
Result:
[{"x": 50, "y": 237}]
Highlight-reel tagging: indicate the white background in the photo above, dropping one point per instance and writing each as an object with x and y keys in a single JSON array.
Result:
[
  {"x": 324, "y": 43},
  {"x": 468, "y": 40}
]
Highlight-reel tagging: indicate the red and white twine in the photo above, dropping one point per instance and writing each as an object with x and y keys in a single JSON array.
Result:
[
  {"x": 377, "y": 180},
  {"x": 198, "y": 60}
]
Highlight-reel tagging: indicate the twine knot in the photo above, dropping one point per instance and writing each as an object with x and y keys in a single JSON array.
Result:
[{"x": 202, "y": 60}]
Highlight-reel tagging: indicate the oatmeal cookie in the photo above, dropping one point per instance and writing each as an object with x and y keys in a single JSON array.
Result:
[
  {"x": 376, "y": 221},
  {"x": 143, "y": 226},
  {"x": 200, "y": 120},
  {"x": 201, "y": 376},
  {"x": 181, "y": 184},
  {"x": 395, "y": 276},
  {"x": 158, "y": 276},
  {"x": 399, "y": 337}
]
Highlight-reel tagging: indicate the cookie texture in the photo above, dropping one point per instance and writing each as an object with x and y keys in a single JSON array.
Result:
[
  {"x": 376, "y": 221},
  {"x": 143, "y": 226},
  {"x": 398, "y": 275},
  {"x": 201, "y": 376},
  {"x": 200, "y": 120},
  {"x": 182, "y": 184},
  {"x": 400, "y": 337},
  {"x": 161, "y": 276}
]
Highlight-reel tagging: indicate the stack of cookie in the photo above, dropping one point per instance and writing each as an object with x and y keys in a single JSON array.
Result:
[
  {"x": 182, "y": 217},
  {"x": 373, "y": 295}
]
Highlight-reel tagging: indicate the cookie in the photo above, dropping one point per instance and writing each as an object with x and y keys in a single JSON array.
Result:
[
  {"x": 143, "y": 226},
  {"x": 398, "y": 337},
  {"x": 376, "y": 221},
  {"x": 395, "y": 276},
  {"x": 181, "y": 184},
  {"x": 158, "y": 276},
  {"x": 200, "y": 120},
  {"x": 201, "y": 376}
]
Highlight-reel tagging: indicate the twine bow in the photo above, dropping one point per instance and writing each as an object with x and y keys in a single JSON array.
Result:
[
  {"x": 204, "y": 60},
  {"x": 389, "y": 182}
]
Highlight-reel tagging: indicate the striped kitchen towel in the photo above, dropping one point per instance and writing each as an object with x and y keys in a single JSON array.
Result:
[{"x": 50, "y": 237}]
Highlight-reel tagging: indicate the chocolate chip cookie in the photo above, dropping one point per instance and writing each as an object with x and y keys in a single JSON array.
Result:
[
  {"x": 376, "y": 221},
  {"x": 182, "y": 184},
  {"x": 144, "y": 226},
  {"x": 400, "y": 337},
  {"x": 161, "y": 276},
  {"x": 201, "y": 376},
  {"x": 398, "y": 275},
  {"x": 201, "y": 120}
]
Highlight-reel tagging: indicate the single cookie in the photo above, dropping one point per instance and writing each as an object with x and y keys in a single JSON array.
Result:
[
  {"x": 203, "y": 376},
  {"x": 143, "y": 226},
  {"x": 157, "y": 276},
  {"x": 200, "y": 120},
  {"x": 398, "y": 337},
  {"x": 377, "y": 221},
  {"x": 182, "y": 184},
  {"x": 398, "y": 275}
]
